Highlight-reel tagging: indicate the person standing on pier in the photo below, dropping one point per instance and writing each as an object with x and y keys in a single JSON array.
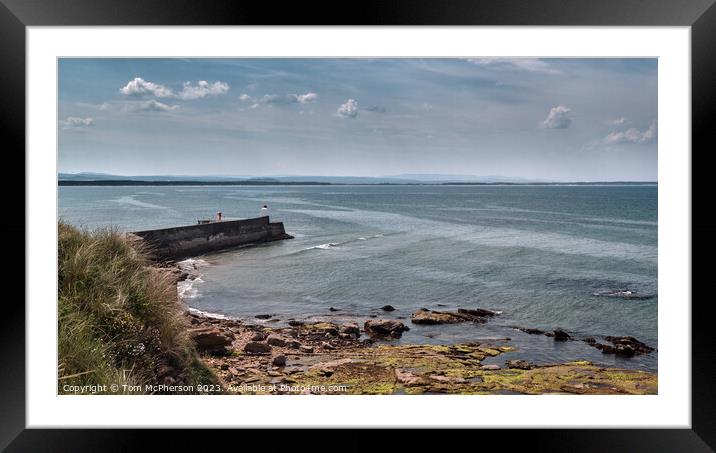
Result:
[{"x": 264, "y": 212}]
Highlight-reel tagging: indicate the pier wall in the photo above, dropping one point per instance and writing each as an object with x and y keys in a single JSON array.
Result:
[{"x": 186, "y": 241}]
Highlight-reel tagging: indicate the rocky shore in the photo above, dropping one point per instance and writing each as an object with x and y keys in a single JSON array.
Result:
[
  {"x": 348, "y": 358},
  {"x": 329, "y": 358}
]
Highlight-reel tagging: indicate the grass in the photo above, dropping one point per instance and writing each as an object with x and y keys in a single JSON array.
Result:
[{"x": 119, "y": 319}]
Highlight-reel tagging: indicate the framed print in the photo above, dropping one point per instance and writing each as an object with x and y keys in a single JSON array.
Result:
[{"x": 485, "y": 221}]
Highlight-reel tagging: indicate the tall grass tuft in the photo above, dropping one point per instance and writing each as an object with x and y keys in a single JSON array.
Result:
[{"x": 119, "y": 319}]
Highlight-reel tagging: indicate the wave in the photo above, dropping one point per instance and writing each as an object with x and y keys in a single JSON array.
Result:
[
  {"x": 208, "y": 314},
  {"x": 491, "y": 236},
  {"x": 323, "y": 246},
  {"x": 187, "y": 288}
]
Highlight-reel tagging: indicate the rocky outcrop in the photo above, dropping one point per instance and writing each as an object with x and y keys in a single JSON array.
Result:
[
  {"x": 623, "y": 346},
  {"x": 428, "y": 317},
  {"x": 385, "y": 328}
]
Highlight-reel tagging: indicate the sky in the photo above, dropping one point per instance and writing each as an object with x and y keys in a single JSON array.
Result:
[{"x": 547, "y": 119}]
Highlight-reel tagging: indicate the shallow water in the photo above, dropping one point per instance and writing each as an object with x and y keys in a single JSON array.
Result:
[{"x": 536, "y": 253}]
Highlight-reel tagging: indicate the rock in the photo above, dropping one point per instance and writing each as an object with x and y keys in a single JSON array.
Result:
[
  {"x": 589, "y": 340},
  {"x": 306, "y": 349},
  {"x": 623, "y": 346},
  {"x": 632, "y": 342},
  {"x": 531, "y": 331},
  {"x": 385, "y": 327},
  {"x": 279, "y": 360},
  {"x": 295, "y": 323},
  {"x": 293, "y": 344},
  {"x": 490, "y": 367},
  {"x": 430, "y": 317},
  {"x": 477, "y": 312},
  {"x": 224, "y": 366},
  {"x": 257, "y": 348},
  {"x": 350, "y": 328},
  {"x": 387, "y": 308},
  {"x": 210, "y": 339},
  {"x": 326, "y": 345},
  {"x": 561, "y": 335},
  {"x": 519, "y": 364},
  {"x": 259, "y": 336},
  {"x": 263, "y": 316},
  {"x": 275, "y": 340},
  {"x": 605, "y": 348},
  {"x": 320, "y": 329},
  {"x": 333, "y": 309}
]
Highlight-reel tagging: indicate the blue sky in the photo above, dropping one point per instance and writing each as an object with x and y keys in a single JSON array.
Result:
[{"x": 555, "y": 119}]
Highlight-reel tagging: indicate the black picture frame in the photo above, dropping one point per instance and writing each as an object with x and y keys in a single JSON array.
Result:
[{"x": 700, "y": 15}]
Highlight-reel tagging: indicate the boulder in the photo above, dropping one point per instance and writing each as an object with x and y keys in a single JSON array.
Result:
[
  {"x": 295, "y": 323},
  {"x": 306, "y": 349},
  {"x": 385, "y": 327},
  {"x": 561, "y": 335},
  {"x": 279, "y": 360},
  {"x": 333, "y": 309},
  {"x": 259, "y": 336},
  {"x": 210, "y": 339},
  {"x": 349, "y": 328},
  {"x": 293, "y": 344},
  {"x": 275, "y": 340},
  {"x": 263, "y": 316},
  {"x": 257, "y": 348},
  {"x": 519, "y": 364},
  {"x": 387, "y": 308}
]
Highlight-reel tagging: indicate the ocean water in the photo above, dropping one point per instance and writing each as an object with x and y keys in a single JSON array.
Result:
[{"x": 537, "y": 254}]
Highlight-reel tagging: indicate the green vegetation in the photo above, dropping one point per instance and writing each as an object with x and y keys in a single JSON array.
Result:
[{"x": 119, "y": 320}]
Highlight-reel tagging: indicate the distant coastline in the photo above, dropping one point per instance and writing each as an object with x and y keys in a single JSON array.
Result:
[{"x": 133, "y": 182}]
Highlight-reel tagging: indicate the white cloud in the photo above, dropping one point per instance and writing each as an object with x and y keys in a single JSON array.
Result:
[
  {"x": 618, "y": 121},
  {"x": 348, "y": 110},
  {"x": 525, "y": 64},
  {"x": 74, "y": 123},
  {"x": 202, "y": 89},
  {"x": 558, "y": 118},
  {"x": 305, "y": 98},
  {"x": 279, "y": 99},
  {"x": 632, "y": 135},
  {"x": 154, "y": 106},
  {"x": 139, "y": 87}
]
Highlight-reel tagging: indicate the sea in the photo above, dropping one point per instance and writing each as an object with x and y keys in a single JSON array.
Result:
[{"x": 543, "y": 256}]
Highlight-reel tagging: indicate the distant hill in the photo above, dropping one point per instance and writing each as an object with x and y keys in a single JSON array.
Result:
[{"x": 91, "y": 179}]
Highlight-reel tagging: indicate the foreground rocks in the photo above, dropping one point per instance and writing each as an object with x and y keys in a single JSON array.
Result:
[{"x": 306, "y": 356}]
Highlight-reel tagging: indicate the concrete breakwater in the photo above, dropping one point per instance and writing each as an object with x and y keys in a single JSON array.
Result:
[{"x": 186, "y": 241}]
